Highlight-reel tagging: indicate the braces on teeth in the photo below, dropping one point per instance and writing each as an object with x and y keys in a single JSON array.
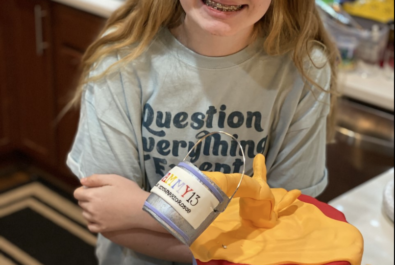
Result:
[{"x": 221, "y": 7}]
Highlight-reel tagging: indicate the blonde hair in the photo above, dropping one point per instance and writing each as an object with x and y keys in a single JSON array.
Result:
[{"x": 288, "y": 26}]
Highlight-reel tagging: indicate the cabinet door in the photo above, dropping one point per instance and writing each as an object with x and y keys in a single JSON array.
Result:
[
  {"x": 4, "y": 99},
  {"x": 34, "y": 83},
  {"x": 7, "y": 119},
  {"x": 73, "y": 32}
]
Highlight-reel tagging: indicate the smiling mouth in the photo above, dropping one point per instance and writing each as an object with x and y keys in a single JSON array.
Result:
[{"x": 221, "y": 7}]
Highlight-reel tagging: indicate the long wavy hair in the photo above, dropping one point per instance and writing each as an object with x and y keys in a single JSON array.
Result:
[{"x": 288, "y": 26}]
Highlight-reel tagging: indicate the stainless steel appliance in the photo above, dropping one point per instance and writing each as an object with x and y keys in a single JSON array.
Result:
[{"x": 364, "y": 147}]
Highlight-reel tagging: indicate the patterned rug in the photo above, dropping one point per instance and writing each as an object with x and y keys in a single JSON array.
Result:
[{"x": 40, "y": 227}]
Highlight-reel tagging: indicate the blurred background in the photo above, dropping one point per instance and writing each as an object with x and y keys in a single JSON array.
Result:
[{"x": 43, "y": 41}]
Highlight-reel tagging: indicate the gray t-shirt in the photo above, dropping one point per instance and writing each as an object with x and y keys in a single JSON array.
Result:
[{"x": 140, "y": 121}]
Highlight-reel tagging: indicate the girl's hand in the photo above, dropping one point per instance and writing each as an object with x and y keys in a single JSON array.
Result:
[{"x": 111, "y": 203}]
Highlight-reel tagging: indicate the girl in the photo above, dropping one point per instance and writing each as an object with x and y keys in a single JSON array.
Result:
[{"x": 167, "y": 72}]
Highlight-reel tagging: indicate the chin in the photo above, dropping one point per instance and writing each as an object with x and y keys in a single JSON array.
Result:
[{"x": 220, "y": 30}]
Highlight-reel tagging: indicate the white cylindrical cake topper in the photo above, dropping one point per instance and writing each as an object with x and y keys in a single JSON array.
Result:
[{"x": 185, "y": 201}]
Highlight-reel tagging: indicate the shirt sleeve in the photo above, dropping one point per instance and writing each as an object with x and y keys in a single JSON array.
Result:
[
  {"x": 300, "y": 152},
  {"x": 106, "y": 142}
]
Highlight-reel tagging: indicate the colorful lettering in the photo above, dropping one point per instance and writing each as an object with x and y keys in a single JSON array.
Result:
[
  {"x": 164, "y": 179},
  {"x": 187, "y": 191},
  {"x": 179, "y": 185},
  {"x": 171, "y": 179}
]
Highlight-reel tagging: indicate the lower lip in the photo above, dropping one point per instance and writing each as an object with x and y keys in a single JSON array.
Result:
[{"x": 220, "y": 14}]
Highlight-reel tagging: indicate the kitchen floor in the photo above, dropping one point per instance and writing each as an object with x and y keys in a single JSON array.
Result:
[{"x": 57, "y": 233}]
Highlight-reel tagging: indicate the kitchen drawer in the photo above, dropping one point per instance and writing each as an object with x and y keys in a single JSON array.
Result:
[{"x": 75, "y": 28}]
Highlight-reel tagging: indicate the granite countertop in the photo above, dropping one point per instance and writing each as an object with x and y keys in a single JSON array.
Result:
[
  {"x": 376, "y": 89},
  {"x": 363, "y": 208},
  {"x": 102, "y": 8}
]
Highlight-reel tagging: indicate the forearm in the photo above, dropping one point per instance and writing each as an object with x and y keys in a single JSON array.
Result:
[
  {"x": 153, "y": 244},
  {"x": 144, "y": 220},
  {"x": 113, "y": 203}
]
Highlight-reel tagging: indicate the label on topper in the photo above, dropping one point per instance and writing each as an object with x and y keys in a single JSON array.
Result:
[{"x": 189, "y": 197}]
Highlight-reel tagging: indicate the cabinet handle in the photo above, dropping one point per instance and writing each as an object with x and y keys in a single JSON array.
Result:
[{"x": 40, "y": 44}]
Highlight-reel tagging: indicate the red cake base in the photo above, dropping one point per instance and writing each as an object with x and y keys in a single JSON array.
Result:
[{"x": 325, "y": 209}]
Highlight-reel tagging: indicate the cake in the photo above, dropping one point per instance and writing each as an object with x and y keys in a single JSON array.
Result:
[
  {"x": 273, "y": 226},
  {"x": 326, "y": 209},
  {"x": 258, "y": 226}
]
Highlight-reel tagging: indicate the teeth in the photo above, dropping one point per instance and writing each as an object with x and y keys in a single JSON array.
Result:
[{"x": 220, "y": 7}]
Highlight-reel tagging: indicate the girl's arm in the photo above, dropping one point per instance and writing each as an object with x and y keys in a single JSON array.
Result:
[
  {"x": 153, "y": 244},
  {"x": 114, "y": 203},
  {"x": 107, "y": 142}
]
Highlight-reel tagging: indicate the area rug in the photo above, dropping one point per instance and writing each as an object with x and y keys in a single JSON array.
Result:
[{"x": 40, "y": 227}]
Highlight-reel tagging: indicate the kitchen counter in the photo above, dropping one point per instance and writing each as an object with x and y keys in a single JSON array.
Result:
[
  {"x": 363, "y": 208},
  {"x": 375, "y": 89},
  {"x": 103, "y": 8}
]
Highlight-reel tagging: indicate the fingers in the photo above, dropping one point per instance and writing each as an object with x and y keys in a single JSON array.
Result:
[
  {"x": 92, "y": 224},
  {"x": 89, "y": 188},
  {"x": 259, "y": 167},
  {"x": 86, "y": 212},
  {"x": 84, "y": 205},
  {"x": 88, "y": 217},
  {"x": 287, "y": 200},
  {"x": 95, "y": 228},
  {"x": 95, "y": 181},
  {"x": 82, "y": 194}
]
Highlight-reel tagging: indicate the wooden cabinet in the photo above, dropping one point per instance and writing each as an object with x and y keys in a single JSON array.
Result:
[
  {"x": 41, "y": 46},
  {"x": 73, "y": 32},
  {"x": 5, "y": 122},
  {"x": 33, "y": 59},
  {"x": 6, "y": 99}
]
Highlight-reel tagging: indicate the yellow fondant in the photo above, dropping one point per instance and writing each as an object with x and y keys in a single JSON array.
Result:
[{"x": 263, "y": 226}]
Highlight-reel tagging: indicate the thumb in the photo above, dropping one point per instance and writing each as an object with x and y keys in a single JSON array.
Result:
[
  {"x": 259, "y": 167},
  {"x": 95, "y": 181}
]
